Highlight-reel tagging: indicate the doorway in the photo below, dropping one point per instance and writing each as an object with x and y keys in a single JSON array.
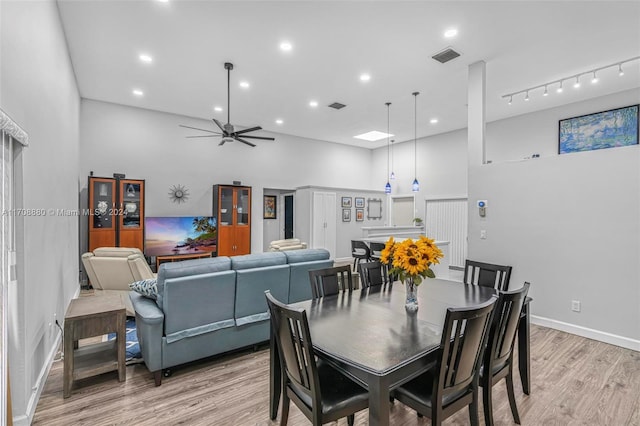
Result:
[
  {"x": 288, "y": 216},
  {"x": 402, "y": 210}
]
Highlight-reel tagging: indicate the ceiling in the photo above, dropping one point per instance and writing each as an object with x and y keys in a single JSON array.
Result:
[{"x": 524, "y": 44}]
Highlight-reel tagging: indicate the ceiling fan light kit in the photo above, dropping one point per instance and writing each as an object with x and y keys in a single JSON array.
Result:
[{"x": 229, "y": 134}]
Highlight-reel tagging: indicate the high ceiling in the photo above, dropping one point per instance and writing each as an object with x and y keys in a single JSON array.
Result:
[{"x": 524, "y": 44}]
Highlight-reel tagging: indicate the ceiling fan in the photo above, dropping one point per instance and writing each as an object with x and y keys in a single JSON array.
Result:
[{"x": 229, "y": 134}]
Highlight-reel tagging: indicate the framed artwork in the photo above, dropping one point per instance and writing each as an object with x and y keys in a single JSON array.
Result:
[
  {"x": 346, "y": 202},
  {"x": 346, "y": 215},
  {"x": 359, "y": 202},
  {"x": 374, "y": 208},
  {"x": 269, "y": 207},
  {"x": 359, "y": 215},
  {"x": 606, "y": 129}
]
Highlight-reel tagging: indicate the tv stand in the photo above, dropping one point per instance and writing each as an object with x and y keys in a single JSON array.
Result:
[{"x": 180, "y": 257}]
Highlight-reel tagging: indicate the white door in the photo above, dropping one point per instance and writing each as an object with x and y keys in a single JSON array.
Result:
[
  {"x": 323, "y": 221},
  {"x": 402, "y": 212},
  {"x": 446, "y": 220}
]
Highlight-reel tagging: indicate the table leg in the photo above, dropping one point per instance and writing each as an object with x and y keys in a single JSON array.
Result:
[
  {"x": 378, "y": 401},
  {"x": 524, "y": 365},
  {"x": 121, "y": 341},
  {"x": 69, "y": 343},
  {"x": 275, "y": 377}
]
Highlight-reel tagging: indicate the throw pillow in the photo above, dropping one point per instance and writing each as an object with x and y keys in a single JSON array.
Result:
[{"x": 147, "y": 288}]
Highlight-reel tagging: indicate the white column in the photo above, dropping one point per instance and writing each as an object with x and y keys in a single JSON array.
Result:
[{"x": 476, "y": 97}]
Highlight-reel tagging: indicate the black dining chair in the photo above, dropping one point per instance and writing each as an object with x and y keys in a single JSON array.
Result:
[
  {"x": 328, "y": 281},
  {"x": 373, "y": 273},
  {"x": 359, "y": 251},
  {"x": 452, "y": 383},
  {"x": 487, "y": 274},
  {"x": 322, "y": 393},
  {"x": 498, "y": 359},
  {"x": 376, "y": 250}
]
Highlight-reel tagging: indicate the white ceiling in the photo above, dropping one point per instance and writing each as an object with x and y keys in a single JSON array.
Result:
[{"x": 524, "y": 44}]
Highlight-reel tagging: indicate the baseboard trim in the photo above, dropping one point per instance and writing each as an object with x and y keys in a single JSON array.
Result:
[{"x": 589, "y": 333}]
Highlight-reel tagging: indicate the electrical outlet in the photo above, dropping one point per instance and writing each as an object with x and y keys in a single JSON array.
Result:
[{"x": 575, "y": 305}]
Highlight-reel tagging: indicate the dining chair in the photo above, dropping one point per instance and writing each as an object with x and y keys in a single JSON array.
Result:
[
  {"x": 322, "y": 393},
  {"x": 487, "y": 274},
  {"x": 498, "y": 359},
  {"x": 373, "y": 273},
  {"x": 376, "y": 250},
  {"x": 328, "y": 281},
  {"x": 359, "y": 251},
  {"x": 452, "y": 383}
]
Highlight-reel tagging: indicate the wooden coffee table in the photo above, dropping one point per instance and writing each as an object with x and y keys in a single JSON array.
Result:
[{"x": 92, "y": 316}]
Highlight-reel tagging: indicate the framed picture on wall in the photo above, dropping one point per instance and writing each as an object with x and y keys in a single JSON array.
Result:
[
  {"x": 346, "y": 215},
  {"x": 270, "y": 207},
  {"x": 346, "y": 202},
  {"x": 359, "y": 215},
  {"x": 606, "y": 129},
  {"x": 359, "y": 202}
]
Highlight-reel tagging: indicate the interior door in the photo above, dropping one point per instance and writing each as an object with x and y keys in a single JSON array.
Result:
[
  {"x": 288, "y": 216},
  {"x": 324, "y": 222}
]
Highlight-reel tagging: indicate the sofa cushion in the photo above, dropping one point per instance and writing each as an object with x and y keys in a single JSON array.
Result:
[
  {"x": 187, "y": 268},
  {"x": 147, "y": 288},
  {"x": 115, "y": 251},
  {"x": 290, "y": 241},
  {"x": 251, "y": 304},
  {"x": 306, "y": 255},
  {"x": 258, "y": 260}
]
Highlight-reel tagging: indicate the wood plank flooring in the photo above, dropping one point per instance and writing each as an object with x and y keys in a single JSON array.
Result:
[{"x": 575, "y": 381}]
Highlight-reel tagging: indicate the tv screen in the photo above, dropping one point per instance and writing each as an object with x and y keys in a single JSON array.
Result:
[{"x": 179, "y": 235}]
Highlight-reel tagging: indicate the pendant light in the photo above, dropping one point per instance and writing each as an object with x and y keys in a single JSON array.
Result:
[
  {"x": 387, "y": 187},
  {"x": 415, "y": 187}
]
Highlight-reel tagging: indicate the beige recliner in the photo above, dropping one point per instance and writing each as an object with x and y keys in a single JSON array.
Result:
[{"x": 112, "y": 269}]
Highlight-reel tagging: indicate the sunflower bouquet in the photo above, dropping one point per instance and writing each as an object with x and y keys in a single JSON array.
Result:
[{"x": 410, "y": 260}]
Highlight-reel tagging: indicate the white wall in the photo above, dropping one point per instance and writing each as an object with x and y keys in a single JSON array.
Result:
[
  {"x": 39, "y": 92},
  {"x": 569, "y": 224}
]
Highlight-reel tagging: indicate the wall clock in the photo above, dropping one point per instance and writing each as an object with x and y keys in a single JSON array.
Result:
[{"x": 178, "y": 194}]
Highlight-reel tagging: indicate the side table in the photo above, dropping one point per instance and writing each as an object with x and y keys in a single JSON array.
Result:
[{"x": 88, "y": 317}]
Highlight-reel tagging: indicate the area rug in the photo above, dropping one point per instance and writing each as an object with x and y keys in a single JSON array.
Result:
[{"x": 132, "y": 347}]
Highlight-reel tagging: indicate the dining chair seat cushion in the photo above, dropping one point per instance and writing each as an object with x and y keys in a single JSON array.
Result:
[
  {"x": 495, "y": 368},
  {"x": 338, "y": 391},
  {"x": 421, "y": 388}
]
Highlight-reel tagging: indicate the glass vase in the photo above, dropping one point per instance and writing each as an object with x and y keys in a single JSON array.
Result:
[{"x": 411, "y": 302}]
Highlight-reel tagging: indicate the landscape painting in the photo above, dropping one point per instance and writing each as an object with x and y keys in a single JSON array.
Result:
[{"x": 606, "y": 129}]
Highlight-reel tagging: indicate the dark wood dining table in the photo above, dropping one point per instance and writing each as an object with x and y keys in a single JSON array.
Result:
[{"x": 368, "y": 335}]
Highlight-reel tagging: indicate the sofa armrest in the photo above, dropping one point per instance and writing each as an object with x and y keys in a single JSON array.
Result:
[{"x": 149, "y": 327}]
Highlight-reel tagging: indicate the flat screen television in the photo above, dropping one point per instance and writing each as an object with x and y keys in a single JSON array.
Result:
[{"x": 179, "y": 235}]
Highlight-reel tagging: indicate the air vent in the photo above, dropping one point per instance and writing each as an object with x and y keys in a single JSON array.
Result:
[
  {"x": 446, "y": 55},
  {"x": 337, "y": 105}
]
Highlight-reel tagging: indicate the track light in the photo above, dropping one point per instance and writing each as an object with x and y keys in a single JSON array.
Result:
[{"x": 559, "y": 89}]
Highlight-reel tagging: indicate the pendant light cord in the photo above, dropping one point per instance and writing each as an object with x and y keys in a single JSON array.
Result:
[
  {"x": 388, "y": 104},
  {"x": 415, "y": 134}
]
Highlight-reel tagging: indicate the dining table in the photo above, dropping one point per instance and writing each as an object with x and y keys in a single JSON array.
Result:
[{"x": 368, "y": 335}]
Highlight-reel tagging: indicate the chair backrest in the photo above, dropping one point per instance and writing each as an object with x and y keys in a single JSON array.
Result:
[
  {"x": 360, "y": 249},
  {"x": 293, "y": 339},
  {"x": 502, "y": 334},
  {"x": 487, "y": 274},
  {"x": 328, "y": 281},
  {"x": 376, "y": 249},
  {"x": 373, "y": 273},
  {"x": 463, "y": 340}
]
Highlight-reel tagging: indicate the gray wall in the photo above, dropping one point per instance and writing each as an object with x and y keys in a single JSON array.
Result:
[{"x": 39, "y": 92}]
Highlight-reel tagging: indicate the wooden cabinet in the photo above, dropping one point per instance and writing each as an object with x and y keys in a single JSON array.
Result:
[
  {"x": 116, "y": 208},
  {"x": 232, "y": 212}
]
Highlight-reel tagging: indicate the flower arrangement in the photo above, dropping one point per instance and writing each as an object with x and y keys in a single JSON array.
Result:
[{"x": 411, "y": 260}]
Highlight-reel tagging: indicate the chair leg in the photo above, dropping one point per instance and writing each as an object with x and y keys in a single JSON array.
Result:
[
  {"x": 512, "y": 396},
  {"x": 487, "y": 402},
  {"x": 285, "y": 409},
  {"x": 473, "y": 409},
  {"x": 351, "y": 419}
]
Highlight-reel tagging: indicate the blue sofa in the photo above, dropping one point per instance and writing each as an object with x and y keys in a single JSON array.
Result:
[{"x": 209, "y": 306}]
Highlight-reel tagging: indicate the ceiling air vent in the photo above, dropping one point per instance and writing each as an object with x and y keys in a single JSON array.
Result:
[
  {"x": 337, "y": 105},
  {"x": 446, "y": 55}
]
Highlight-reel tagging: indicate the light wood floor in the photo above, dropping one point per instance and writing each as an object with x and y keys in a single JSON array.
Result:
[{"x": 576, "y": 381}]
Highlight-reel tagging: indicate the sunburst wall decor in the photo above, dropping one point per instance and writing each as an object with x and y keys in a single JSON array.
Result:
[{"x": 178, "y": 194}]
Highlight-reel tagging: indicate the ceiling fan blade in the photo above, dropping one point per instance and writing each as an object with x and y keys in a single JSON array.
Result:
[
  {"x": 195, "y": 128},
  {"x": 219, "y": 125},
  {"x": 251, "y": 129},
  {"x": 204, "y": 136},
  {"x": 243, "y": 141},
  {"x": 259, "y": 137}
]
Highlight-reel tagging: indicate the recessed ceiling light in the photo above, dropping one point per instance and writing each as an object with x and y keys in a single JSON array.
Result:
[
  {"x": 365, "y": 77},
  {"x": 373, "y": 136},
  {"x": 451, "y": 32},
  {"x": 285, "y": 46},
  {"x": 163, "y": 1},
  {"x": 244, "y": 84},
  {"x": 279, "y": 121},
  {"x": 147, "y": 59},
  {"x": 217, "y": 109},
  {"x": 433, "y": 121},
  {"x": 138, "y": 92},
  {"x": 313, "y": 104}
]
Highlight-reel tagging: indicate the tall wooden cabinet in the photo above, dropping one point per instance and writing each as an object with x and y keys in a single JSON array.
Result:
[
  {"x": 232, "y": 211},
  {"x": 116, "y": 213}
]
